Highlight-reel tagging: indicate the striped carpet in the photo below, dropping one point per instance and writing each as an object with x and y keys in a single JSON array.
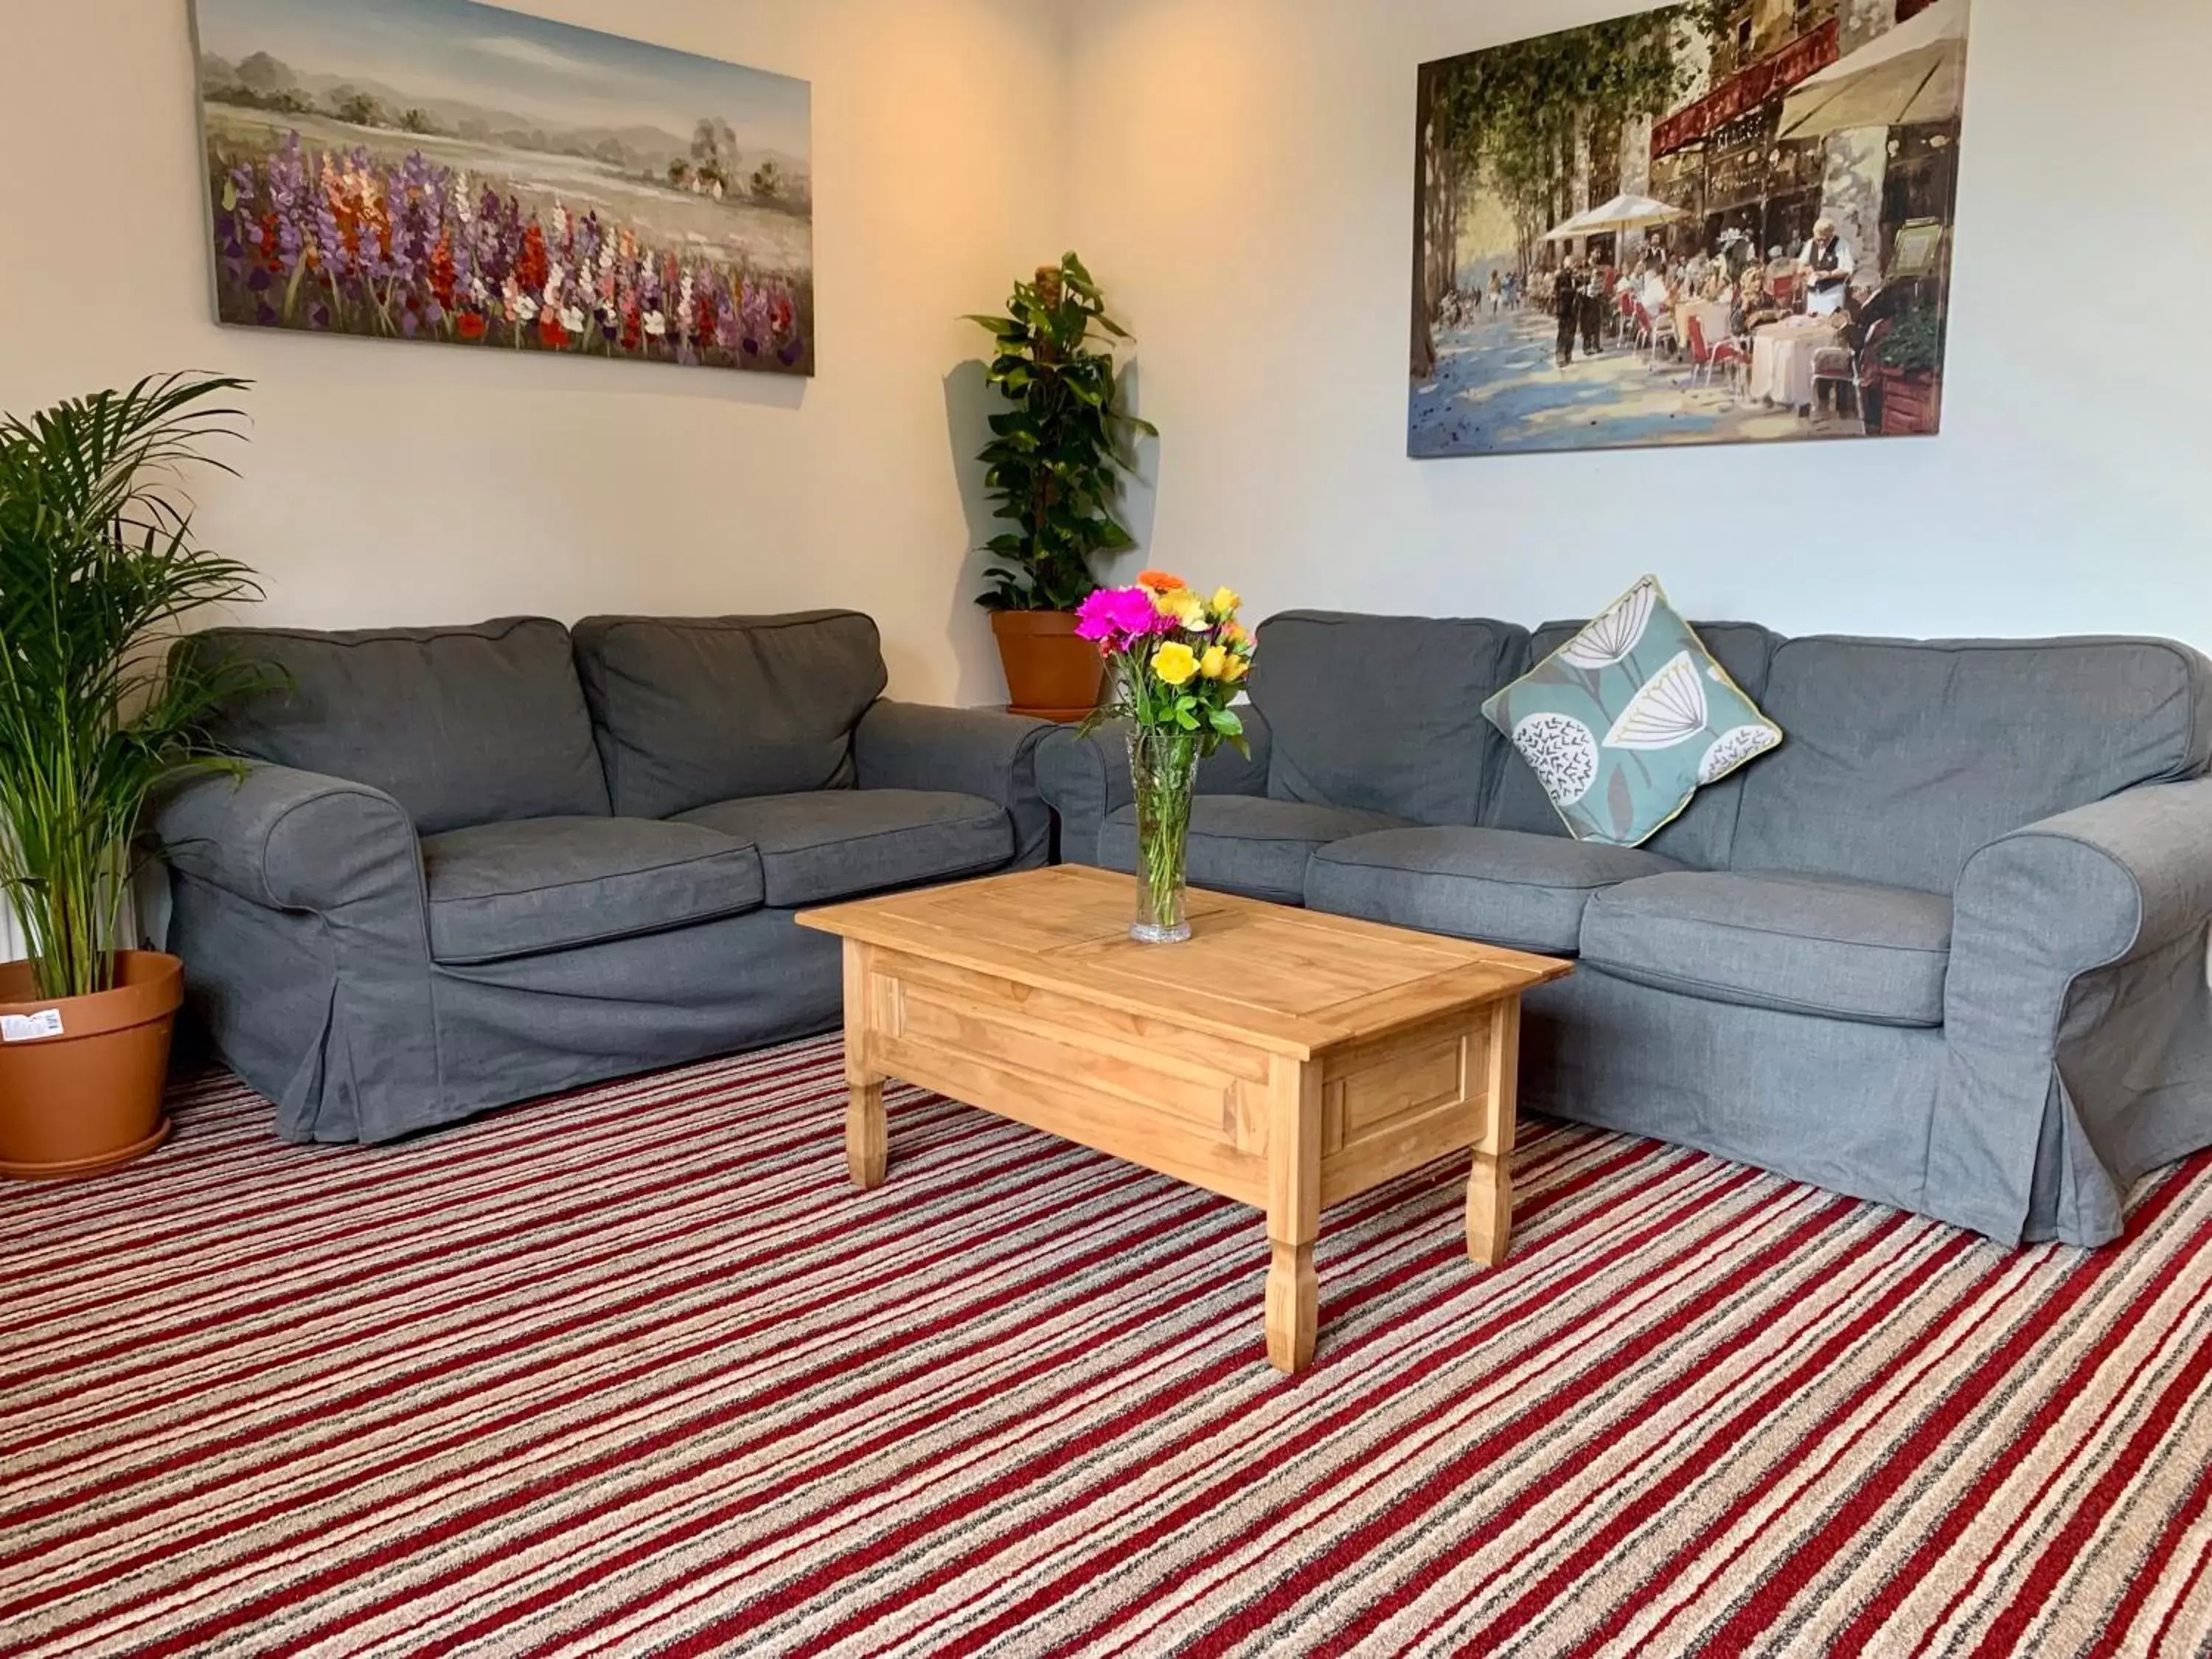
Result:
[{"x": 636, "y": 1372}]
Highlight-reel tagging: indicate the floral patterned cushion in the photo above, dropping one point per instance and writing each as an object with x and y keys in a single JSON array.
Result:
[{"x": 1626, "y": 721}]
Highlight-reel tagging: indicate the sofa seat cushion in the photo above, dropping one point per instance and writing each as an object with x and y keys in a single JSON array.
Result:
[
  {"x": 503, "y": 890},
  {"x": 1811, "y": 945},
  {"x": 833, "y": 843},
  {"x": 1502, "y": 886},
  {"x": 1248, "y": 844}
]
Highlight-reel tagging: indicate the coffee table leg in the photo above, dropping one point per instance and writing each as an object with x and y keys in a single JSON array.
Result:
[
  {"x": 1490, "y": 1186},
  {"x": 1294, "y": 1213},
  {"x": 1294, "y": 1305},
  {"x": 867, "y": 1137}
]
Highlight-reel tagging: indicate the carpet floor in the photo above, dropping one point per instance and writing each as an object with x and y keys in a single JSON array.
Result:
[{"x": 637, "y": 1372}]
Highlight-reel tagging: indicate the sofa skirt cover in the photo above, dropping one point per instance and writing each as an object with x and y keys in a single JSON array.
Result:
[{"x": 373, "y": 1057}]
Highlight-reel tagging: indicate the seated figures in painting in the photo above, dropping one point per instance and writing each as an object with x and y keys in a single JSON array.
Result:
[{"x": 1755, "y": 304}]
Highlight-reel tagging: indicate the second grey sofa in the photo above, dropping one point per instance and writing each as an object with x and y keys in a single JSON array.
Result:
[
  {"x": 471, "y": 866},
  {"x": 1947, "y": 948}
]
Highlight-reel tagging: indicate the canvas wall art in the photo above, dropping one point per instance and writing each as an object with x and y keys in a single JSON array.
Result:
[
  {"x": 1718, "y": 221},
  {"x": 438, "y": 170}
]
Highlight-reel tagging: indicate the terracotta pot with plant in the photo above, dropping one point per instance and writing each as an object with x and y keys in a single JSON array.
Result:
[
  {"x": 1910, "y": 364},
  {"x": 1055, "y": 465},
  {"x": 98, "y": 567}
]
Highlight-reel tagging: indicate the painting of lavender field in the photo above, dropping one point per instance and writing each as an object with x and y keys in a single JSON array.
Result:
[{"x": 438, "y": 170}]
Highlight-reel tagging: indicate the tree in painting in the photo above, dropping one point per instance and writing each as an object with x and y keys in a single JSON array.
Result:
[{"x": 1525, "y": 118}]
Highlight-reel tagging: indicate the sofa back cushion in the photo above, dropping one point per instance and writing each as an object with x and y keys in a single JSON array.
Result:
[
  {"x": 693, "y": 711},
  {"x": 1905, "y": 756},
  {"x": 1382, "y": 713},
  {"x": 1701, "y": 836},
  {"x": 462, "y": 726}
]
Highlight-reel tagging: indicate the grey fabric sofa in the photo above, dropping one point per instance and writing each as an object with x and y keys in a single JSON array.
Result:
[
  {"x": 1945, "y": 949},
  {"x": 472, "y": 866}
]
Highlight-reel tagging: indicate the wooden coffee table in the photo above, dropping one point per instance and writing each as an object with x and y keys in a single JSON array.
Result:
[{"x": 1282, "y": 1058}]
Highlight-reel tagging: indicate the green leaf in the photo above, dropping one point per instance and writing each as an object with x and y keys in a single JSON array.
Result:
[
  {"x": 1228, "y": 722},
  {"x": 1054, "y": 462},
  {"x": 98, "y": 572}
]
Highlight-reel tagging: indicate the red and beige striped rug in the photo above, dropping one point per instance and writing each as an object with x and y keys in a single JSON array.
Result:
[{"x": 637, "y": 1372}]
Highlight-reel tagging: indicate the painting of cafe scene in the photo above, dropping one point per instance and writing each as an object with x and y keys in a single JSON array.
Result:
[{"x": 1722, "y": 222}]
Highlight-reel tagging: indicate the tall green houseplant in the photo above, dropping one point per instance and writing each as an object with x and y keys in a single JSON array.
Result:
[
  {"x": 1056, "y": 457},
  {"x": 98, "y": 567}
]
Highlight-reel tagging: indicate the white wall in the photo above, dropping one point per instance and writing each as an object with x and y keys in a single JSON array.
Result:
[
  {"x": 390, "y": 485},
  {"x": 1241, "y": 178},
  {"x": 1239, "y": 172}
]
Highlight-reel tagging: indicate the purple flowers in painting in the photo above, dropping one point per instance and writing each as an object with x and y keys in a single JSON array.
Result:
[
  {"x": 339, "y": 211},
  {"x": 339, "y": 241}
]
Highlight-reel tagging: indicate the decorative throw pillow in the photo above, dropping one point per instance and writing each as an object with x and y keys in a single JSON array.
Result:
[{"x": 1626, "y": 721}]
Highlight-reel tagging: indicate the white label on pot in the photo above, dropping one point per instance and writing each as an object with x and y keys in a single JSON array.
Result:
[{"x": 29, "y": 1028}]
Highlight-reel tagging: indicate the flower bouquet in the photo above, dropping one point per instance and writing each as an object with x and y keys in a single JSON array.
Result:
[{"x": 1175, "y": 659}]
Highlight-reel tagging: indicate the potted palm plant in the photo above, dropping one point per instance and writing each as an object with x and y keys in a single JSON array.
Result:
[
  {"x": 98, "y": 566},
  {"x": 1054, "y": 463}
]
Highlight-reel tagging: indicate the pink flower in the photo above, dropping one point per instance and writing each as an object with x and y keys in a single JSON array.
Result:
[{"x": 1114, "y": 616}]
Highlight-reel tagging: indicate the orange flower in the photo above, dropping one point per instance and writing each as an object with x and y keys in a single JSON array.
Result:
[{"x": 1159, "y": 581}]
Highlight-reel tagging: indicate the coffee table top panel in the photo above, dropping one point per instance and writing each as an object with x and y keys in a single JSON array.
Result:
[{"x": 1295, "y": 981}]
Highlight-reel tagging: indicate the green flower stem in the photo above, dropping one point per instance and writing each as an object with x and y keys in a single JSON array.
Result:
[{"x": 1163, "y": 772}]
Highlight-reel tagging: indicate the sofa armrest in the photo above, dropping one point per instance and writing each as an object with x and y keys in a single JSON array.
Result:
[
  {"x": 300, "y": 915},
  {"x": 290, "y": 840},
  {"x": 973, "y": 751},
  {"x": 2077, "y": 1014},
  {"x": 1086, "y": 779},
  {"x": 2106, "y": 883}
]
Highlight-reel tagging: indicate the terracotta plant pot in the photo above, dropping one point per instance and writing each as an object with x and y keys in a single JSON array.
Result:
[
  {"x": 1051, "y": 675},
  {"x": 90, "y": 1098}
]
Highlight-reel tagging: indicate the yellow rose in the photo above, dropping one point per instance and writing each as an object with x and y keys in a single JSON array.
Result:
[
  {"x": 1237, "y": 669},
  {"x": 1215, "y": 663},
  {"x": 1174, "y": 663},
  {"x": 1225, "y": 601},
  {"x": 1185, "y": 606}
]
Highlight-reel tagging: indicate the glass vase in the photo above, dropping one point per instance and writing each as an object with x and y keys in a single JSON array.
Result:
[{"x": 1164, "y": 768}]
